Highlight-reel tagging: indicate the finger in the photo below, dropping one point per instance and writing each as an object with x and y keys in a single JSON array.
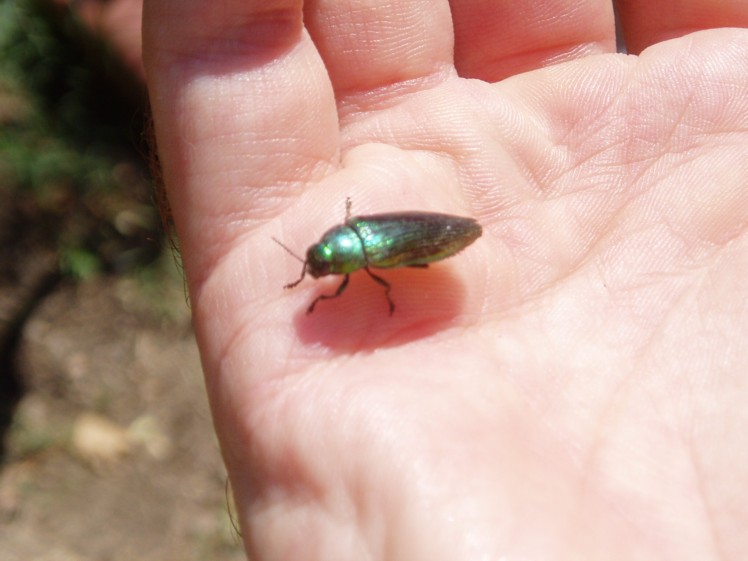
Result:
[
  {"x": 645, "y": 22},
  {"x": 244, "y": 114},
  {"x": 499, "y": 38},
  {"x": 380, "y": 45}
]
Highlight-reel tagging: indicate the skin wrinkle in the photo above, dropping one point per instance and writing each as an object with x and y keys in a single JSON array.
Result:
[
  {"x": 249, "y": 41},
  {"x": 359, "y": 104},
  {"x": 663, "y": 141},
  {"x": 705, "y": 503},
  {"x": 600, "y": 447},
  {"x": 549, "y": 55},
  {"x": 569, "y": 133},
  {"x": 649, "y": 282},
  {"x": 697, "y": 478},
  {"x": 389, "y": 31},
  {"x": 588, "y": 251}
]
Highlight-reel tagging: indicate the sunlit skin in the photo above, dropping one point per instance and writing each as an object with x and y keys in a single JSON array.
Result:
[{"x": 571, "y": 386}]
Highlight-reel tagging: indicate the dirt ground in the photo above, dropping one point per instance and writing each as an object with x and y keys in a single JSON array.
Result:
[
  {"x": 110, "y": 453},
  {"x": 107, "y": 450}
]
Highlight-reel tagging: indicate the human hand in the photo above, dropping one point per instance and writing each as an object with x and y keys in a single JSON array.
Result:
[{"x": 572, "y": 386}]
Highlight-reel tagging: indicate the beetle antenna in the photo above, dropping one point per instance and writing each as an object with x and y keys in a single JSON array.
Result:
[
  {"x": 284, "y": 246},
  {"x": 348, "y": 206},
  {"x": 303, "y": 270}
]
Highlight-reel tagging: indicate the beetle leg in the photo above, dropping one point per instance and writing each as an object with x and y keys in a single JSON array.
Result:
[
  {"x": 348, "y": 206},
  {"x": 387, "y": 289},
  {"x": 338, "y": 292},
  {"x": 419, "y": 266},
  {"x": 301, "y": 278}
]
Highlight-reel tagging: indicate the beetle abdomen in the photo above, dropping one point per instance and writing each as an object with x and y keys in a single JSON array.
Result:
[{"x": 405, "y": 239}]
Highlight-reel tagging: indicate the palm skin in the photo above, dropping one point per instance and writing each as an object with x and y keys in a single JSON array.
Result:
[{"x": 572, "y": 386}]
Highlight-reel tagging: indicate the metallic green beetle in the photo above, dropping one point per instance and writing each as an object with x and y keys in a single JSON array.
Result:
[{"x": 385, "y": 241}]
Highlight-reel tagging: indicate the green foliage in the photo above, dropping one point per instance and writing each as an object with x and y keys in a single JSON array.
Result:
[
  {"x": 69, "y": 128},
  {"x": 79, "y": 263}
]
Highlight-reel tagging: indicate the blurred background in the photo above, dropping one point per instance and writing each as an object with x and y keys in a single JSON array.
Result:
[{"x": 106, "y": 444}]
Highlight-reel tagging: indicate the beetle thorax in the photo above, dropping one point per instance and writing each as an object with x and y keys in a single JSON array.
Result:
[{"x": 339, "y": 252}]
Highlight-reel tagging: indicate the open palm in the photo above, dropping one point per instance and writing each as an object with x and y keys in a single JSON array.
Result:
[{"x": 573, "y": 385}]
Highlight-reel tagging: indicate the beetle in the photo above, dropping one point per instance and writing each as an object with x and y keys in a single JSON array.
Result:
[{"x": 384, "y": 241}]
